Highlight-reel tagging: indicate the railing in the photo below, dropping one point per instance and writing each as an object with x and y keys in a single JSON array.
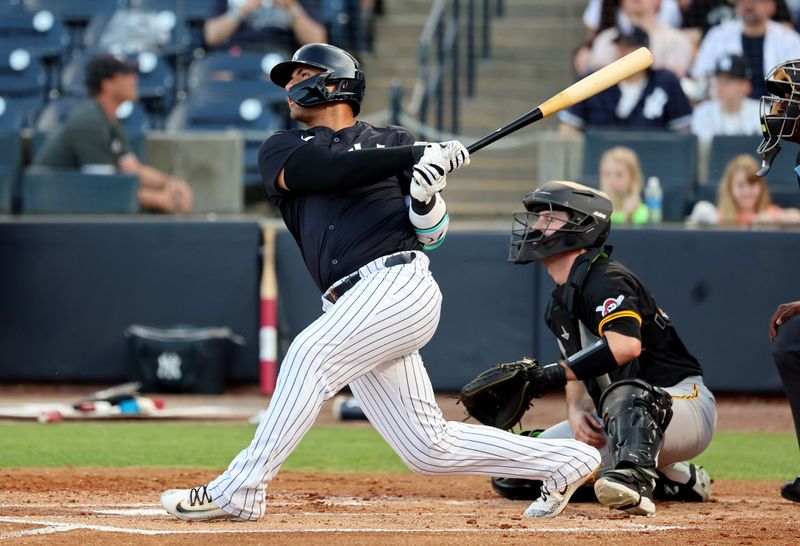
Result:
[{"x": 439, "y": 64}]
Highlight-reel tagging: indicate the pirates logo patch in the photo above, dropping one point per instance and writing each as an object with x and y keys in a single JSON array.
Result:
[{"x": 609, "y": 305}]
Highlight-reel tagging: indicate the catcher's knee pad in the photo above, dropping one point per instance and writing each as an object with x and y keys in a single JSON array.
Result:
[{"x": 635, "y": 415}]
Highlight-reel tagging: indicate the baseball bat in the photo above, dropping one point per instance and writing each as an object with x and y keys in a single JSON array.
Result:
[
  {"x": 268, "y": 331},
  {"x": 581, "y": 90}
]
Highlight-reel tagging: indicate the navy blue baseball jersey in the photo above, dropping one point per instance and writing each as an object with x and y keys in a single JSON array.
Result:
[
  {"x": 662, "y": 105},
  {"x": 339, "y": 232}
]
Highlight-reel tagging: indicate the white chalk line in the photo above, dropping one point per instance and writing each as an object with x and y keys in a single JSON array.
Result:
[{"x": 50, "y": 527}]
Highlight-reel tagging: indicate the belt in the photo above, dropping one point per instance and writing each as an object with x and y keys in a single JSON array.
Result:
[{"x": 335, "y": 292}]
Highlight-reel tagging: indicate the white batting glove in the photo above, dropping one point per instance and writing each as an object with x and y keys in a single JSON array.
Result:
[
  {"x": 448, "y": 156},
  {"x": 421, "y": 189}
]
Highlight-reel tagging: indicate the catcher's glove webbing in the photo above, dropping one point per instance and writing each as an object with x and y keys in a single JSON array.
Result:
[{"x": 501, "y": 395}]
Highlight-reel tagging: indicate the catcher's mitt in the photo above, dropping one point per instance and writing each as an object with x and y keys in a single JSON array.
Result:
[{"x": 501, "y": 395}]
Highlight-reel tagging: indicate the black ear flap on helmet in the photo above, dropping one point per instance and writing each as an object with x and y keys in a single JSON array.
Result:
[
  {"x": 339, "y": 69},
  {"x": 780, "y": 112},
  {"x": 539, "y": 232}
]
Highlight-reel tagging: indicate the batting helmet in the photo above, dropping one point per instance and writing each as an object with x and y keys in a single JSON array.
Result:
[
  {"x": 780, "y": 111},
  {"x": 339, "y": 68},
  {"x": 587, "y": 225}
]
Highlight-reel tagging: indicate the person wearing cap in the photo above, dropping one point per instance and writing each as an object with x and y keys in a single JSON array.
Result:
[
  {"x": 651, "y": 99},
  {"x": 92, "y": 139},
  {"x": 730, "y": 111},
  {"x": 262, "y": 25},
  {"x": 671, "y": 49},
  {"x": 763, "y": 42}
]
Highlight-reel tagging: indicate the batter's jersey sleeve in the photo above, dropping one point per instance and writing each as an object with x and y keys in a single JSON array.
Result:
[
  {"x": 610, "y": 303},
  {"x": 273, "y": 155}
]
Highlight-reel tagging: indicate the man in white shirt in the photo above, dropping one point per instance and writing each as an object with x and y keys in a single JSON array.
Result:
[
  {"x": 764, "y": 43},
  {"x": 730, "y": 111}
]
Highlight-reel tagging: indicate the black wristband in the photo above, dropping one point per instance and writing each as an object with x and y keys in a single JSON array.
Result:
[{"x": 592, "y": 361}]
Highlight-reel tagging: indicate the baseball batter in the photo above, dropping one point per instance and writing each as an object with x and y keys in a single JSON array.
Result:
[
  {"x": 633, "y": 389},
  {"x": 362, "y": 202}
]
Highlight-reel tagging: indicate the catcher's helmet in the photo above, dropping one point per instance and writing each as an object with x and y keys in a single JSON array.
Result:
[
  {"x": 339, "y": 68},
  {"x": 587, "y": 226},
  {"x": 780, "y": 111}
]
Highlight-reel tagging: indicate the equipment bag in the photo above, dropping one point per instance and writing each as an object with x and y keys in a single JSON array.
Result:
[{"x": 184, "y": 360}]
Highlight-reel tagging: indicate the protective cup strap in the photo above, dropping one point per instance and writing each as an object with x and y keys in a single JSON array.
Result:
[{"x": 592, "y": 361}]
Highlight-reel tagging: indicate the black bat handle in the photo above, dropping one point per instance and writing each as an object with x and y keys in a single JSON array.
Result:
[{"x": 519, "y": 123}]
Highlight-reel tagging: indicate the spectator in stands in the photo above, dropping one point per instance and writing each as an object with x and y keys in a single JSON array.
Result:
[
  {"x": 602, "y": 14},
  {"x": 764, "y": 43},
  {"x": 670, "y": 47},
  {"x": 700, "y": 15},
  {"x": 743, "y": 199},
  {"x": 731, "y": 111},
  {"x": 621, "y": 179},
  {"x": 92, "y": 139},
  {"x": 652, "y": 99},
  {"x": 282, "y": 25}
]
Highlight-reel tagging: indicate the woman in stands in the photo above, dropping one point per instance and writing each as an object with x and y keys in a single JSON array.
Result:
[
  {"x": 743, "y": 199},
  {"x": 621, "y": 179}
]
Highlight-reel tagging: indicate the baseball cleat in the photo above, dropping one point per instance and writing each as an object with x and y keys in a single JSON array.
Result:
[
  {"x": 685, "y": 482},
  {"x": 627, "y": 490},
  {"x": 193, "y": 505},
  {"x": 791, "y": 491},
  {"x": 552, "y": 502}
]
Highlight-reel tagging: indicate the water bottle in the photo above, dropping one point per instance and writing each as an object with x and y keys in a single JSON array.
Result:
[{"x": 653, "y": 198}]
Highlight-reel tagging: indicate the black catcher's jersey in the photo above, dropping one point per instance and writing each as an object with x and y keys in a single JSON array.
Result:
[
  {"x": 339, "y": 232},
  {"x": 611, "y": 298}
]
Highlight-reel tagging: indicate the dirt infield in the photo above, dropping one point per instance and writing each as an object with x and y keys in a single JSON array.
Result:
[{"x": 100, "y": 506}]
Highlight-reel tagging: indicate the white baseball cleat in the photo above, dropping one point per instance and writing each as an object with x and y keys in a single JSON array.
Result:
[
  {"x": 193, "y": 505},
  {"x": 552, "y": 502}
]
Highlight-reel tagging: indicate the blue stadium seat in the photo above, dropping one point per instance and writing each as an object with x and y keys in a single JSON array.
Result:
[
  {"x": 219, "y": 75},
  {"x": 68, "y": 192},
  {"x": 132, "y": 116},
  {"x": 786, "y": 197},
  {"x": 22, "y": 82},
  {"x": 672, "y": 157},
  {"x": 193, "y": 12},
  {"x": 11, "y": 115},
  {"x": 40, "y": 33},
  {"x": 725, "y": 148},
  {"x": 75, "y": 14}
]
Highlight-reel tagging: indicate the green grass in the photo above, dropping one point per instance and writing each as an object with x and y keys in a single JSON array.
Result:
[{"x": 732, "y": 455}]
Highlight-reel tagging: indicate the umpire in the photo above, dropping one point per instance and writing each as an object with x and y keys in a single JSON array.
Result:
[{"x": 780, "y": 119}]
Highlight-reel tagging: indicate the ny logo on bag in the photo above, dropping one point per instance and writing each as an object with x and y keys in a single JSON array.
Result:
[{"x": 169, "y": 367}]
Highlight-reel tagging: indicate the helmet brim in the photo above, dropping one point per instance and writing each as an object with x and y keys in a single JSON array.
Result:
[{"x": 281, "y": 73}]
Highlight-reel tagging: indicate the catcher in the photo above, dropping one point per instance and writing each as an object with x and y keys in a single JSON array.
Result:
[{"x": 633, "y": 390}]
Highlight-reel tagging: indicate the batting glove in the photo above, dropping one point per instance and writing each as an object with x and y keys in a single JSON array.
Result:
[
  {"x": 425, "y": 185},
  {"x": 447, "y": 156}
]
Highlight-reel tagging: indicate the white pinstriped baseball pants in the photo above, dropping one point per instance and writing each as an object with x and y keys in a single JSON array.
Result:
[{"x": 370, "y": 340}]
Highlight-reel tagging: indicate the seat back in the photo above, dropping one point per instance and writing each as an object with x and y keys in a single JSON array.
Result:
[
  {"x": 68, "y": 192},
  {"x": 672, "y": 157}
]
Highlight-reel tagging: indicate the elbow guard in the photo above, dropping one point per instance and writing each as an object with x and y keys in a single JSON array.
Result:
[
  {"x": 592, "y": 361},
  {"x": 430, "y": 221}
]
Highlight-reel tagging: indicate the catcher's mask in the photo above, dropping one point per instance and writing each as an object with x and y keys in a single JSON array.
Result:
[
  {"x": 537, "y": 233},
  {"x": 338, "y": 68},
  {"x": 780, "y": 111}
]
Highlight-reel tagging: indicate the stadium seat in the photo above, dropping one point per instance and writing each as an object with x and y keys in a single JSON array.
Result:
[
  {"x": 22, "y": 83},
  {"x": 193, "y": 12},
  {"x": 786, "y": 197},
  {"x": 75, "y": 14},
  {"x": 68, "y": 192},
  {"x": 725, "y": 148},
  {"x": 40, "y": 33},
  {"x": 11, "y": 115},
  {"x": 219, "y": 75},
  {"x": 672, "y": 157}
]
